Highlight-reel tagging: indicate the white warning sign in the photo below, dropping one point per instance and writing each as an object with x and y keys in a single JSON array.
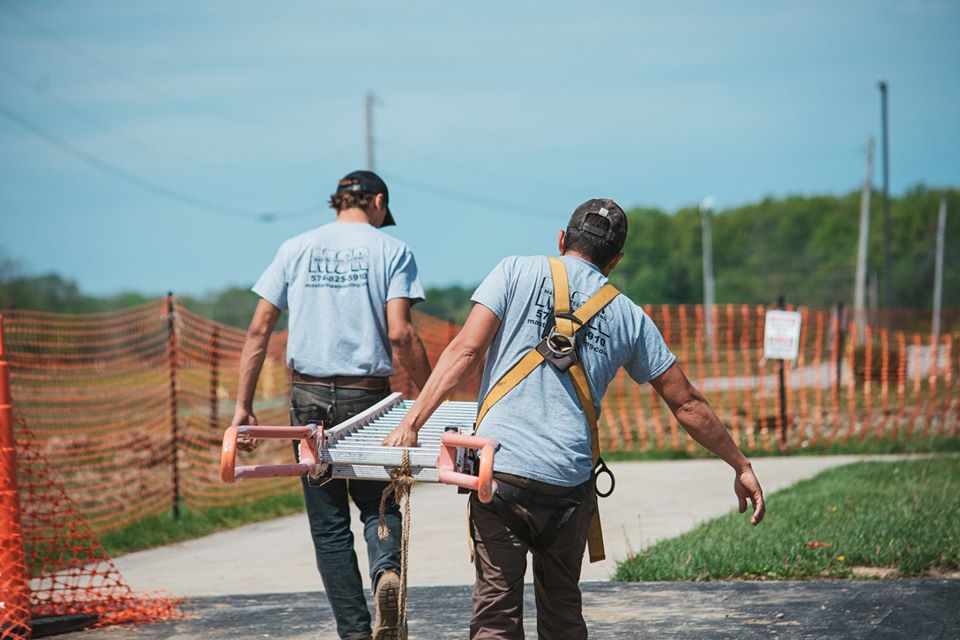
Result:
[{"x": 781, "y": 335}]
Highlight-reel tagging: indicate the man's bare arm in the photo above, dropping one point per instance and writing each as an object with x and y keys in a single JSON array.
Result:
[
  {"x": 251, "y": 360},
  {"x": 701, "y": 422},
  {"x": 406, "y": 341},
  {"x": 461, "y": 357}
]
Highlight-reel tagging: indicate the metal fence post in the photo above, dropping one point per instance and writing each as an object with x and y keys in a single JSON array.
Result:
[
  {"x": 174, "y": 421},
  {"x": 214, "y": 377},
  {"x": 14, "y": 589}
]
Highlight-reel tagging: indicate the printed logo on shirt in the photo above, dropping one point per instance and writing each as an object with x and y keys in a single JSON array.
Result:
[
  {"x": 338, "y": 267},
  {"x": 595, "y": 336}
]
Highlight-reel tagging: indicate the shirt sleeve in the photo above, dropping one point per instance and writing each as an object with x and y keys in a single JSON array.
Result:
[
  {"x": 493, "y": 292},
  {"x": 651, "y": 356},
  {"x": 272, "y": 285},
  {"x": 405, "y": 278}
]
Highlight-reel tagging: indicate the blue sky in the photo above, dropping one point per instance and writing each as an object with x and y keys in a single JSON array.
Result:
[{"x": 494, "y": 121}]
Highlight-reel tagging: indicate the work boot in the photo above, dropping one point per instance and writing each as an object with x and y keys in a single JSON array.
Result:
[{"x": 386, "y": 596}]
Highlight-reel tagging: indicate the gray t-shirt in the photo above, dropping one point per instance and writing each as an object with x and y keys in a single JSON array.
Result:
[
  {"x": 540, "y": 425},
  {"x": 336, "y": 281}
]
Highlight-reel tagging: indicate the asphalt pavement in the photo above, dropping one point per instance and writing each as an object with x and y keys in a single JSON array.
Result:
[
  {"x": 259, "y": 581},
  {"x": 835, "y": 609}
]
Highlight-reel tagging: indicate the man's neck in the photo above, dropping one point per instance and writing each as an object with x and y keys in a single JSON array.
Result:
[
  {"x": 577, "y": 254},
  {"x": 354, "y": 215}
]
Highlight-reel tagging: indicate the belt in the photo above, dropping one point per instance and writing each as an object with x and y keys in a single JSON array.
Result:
[{"x": 346, "y": 382}]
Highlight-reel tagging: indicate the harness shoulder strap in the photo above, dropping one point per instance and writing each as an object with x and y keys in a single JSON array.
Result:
[
  {"x": 582, "y": 387},
  {"x": 533, "y": 358},
  {"x": 510, "y": 379}
]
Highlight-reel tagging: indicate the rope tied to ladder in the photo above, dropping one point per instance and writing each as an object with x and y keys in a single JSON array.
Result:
[{"x": 401, "y": 481}]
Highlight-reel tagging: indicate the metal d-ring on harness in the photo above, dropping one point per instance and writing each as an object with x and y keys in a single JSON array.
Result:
[
  {"x": 559, "y": 348},
  {"x": 602, "y": 468}
]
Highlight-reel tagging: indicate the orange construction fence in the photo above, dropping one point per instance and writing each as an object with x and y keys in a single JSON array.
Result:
[
  {"x": 126, "y": 409},
  {"x": 54, "y": 574},
  {"x": 892, "y": 384}
]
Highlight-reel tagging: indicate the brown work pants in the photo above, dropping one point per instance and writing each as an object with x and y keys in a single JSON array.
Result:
[{"x": 500, "y": 561}]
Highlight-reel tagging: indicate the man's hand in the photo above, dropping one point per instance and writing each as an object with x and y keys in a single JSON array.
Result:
[
  {"x": 402, "y": 436},
  {"x": 244, "y": 417},
  {"x": 746, "y": 486}
]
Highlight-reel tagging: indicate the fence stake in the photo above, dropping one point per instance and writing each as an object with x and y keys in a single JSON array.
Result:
[
  {"x": 818, "y": 390},
  {"x": 174, "y": 422},
  {"x": 214, "y": 377},
  {"x": 782, "y": 427}
]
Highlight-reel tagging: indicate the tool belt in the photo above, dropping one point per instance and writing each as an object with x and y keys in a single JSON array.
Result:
[
  {"x": 371, "y": 383},
  {"x": 559, "y": 348}
]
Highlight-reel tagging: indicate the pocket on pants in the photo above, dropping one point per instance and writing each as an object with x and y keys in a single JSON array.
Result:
[{"x": 307, "y": 412}]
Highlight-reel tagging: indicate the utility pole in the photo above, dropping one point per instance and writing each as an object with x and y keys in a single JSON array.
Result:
[
  {"x": 860, "y": 282},
  {"x": 938, "y": 269},
  {"x": 706, "y": 210},
  {"x": 368, "y": 128},
  {"x": 887, "y": 274}
]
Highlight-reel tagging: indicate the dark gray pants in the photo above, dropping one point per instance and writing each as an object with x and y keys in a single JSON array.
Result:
[
  {"x": 500, "y": 561},
  {"x": 328, "y": 511}
]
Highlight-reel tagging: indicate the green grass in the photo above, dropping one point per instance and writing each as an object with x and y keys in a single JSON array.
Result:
[
  {"x": 903, "y": 515},
  {"x": 163, "y": 529},
  {"x": 869, "y": 445}
]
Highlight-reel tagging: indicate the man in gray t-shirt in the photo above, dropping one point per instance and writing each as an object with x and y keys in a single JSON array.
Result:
[
  {"x": 348, "y": 288},
  {"x": 545, "y": 497}
]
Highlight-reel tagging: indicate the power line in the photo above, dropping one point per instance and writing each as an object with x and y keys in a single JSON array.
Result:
[
  {"x": 90, "y": 59},
  {"x": 37, "y": 88},
  {"x": 468, "y": 198},
  {"x": 146, "y": 184}
]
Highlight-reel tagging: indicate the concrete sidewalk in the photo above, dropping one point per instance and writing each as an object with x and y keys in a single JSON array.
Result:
[{"x": 653, "y": 500}]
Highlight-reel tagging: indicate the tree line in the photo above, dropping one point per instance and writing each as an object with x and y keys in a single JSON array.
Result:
[{"x": 800, "y": 247}]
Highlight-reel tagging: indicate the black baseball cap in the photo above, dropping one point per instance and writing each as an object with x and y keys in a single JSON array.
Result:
[
  {"x": 367, "y": 182},
  {"x": 601, "y": 217}
]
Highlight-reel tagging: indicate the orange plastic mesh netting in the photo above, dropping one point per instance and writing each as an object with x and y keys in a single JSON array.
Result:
[
  {"x": 52, "y": 563},
  {"x": 69, "y": 572}
]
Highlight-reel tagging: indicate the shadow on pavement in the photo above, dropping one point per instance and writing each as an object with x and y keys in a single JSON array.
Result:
[{"x": 878, "y": 609}]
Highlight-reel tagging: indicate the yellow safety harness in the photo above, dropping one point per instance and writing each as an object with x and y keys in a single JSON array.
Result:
[{"x": 559, "y": 349}]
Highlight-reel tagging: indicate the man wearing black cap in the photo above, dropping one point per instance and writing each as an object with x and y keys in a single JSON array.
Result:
[
  {"x": 349, "y": 288},
  {"x": 555, "y": 333}
]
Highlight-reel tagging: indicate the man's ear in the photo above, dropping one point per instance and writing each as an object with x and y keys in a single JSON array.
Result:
[
  {"x": 560, "y": 240},
  {"x": 377, "y": 205},
  {"x": 612, "y": 264}
]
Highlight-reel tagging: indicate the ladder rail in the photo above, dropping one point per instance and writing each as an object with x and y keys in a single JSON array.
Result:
[{"x": 353, "y": 449}]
